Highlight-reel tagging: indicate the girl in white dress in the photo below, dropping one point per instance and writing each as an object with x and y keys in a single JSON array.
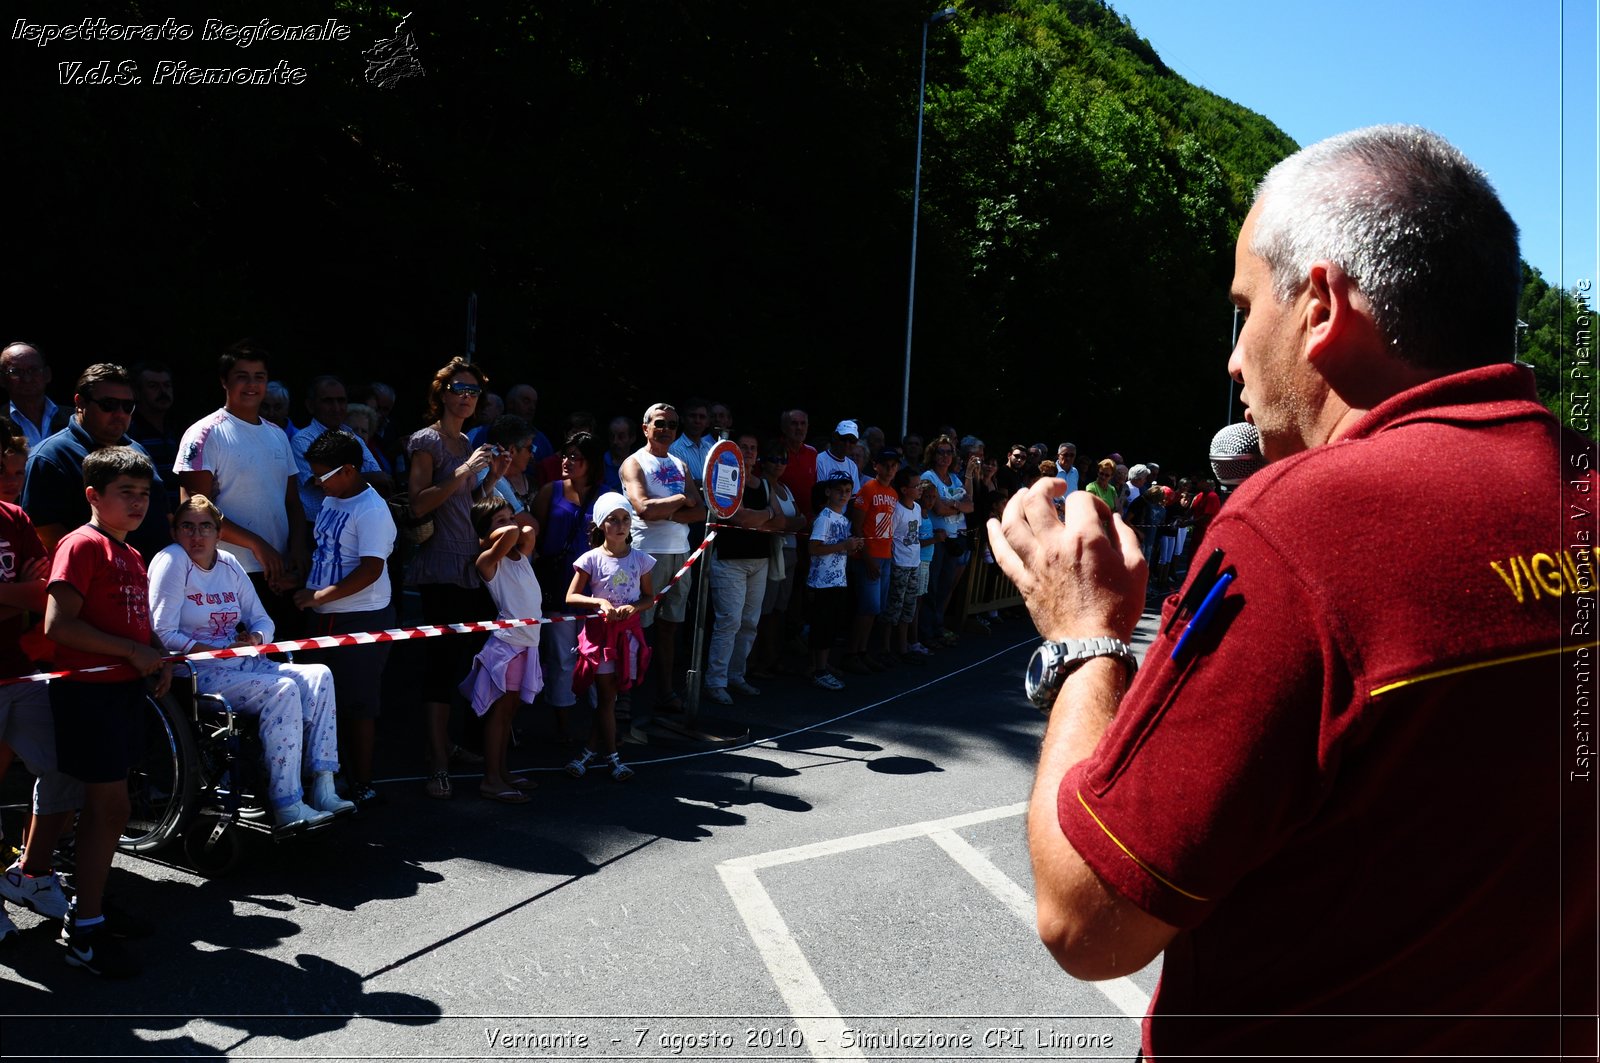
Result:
[{"x": 505, "y": 673}]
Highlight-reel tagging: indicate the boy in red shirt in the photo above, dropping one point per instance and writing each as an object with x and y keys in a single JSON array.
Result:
[{"x": 98, "y": 714}]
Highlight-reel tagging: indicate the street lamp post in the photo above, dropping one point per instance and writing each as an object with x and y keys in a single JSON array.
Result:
[{"x": 916, "y": 208}]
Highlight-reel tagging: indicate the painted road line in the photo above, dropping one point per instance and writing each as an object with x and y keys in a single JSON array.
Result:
[
  {"x": 814, "y": 1011},
  {"x": 797, "y": 982},
  {"x": 873, "y": 838},
  {"x": 1122, "y": 992}
]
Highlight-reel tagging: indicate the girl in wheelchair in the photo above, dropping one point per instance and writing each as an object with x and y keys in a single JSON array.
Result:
[{"x": 201, "y": 599}]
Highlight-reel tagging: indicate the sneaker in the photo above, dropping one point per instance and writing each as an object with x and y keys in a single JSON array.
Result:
[
  {"x": 742, "y": 687},
  {"x": 121, "y": 923},
  {"x": 826, "y": 680},
  {"x": 620, "y": 772},
  {"x": 8, "y": 929},
  {"x": 39, "y": 893},
  {"x": 920, "y": 650},
  {"x": 362, "y": 794},
  {"x": 719, "y": 695},
  {"x": 96, "y": 951},
  {"x": 579, "y": 764}
]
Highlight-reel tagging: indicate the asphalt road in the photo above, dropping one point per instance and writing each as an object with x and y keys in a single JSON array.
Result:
[{"x": 854, "y": 886}]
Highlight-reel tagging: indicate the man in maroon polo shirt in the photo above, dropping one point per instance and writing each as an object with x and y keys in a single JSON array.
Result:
[{"x": 1344, "y": 796}]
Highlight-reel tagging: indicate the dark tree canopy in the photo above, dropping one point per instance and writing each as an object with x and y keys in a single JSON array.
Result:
[{"x": 654, "y": 199}]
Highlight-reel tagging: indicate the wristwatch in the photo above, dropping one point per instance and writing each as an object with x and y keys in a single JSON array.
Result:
[{"x": 1053, "y": 661}]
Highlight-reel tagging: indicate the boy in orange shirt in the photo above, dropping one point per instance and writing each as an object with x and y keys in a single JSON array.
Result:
[{"x": 872, "y": 518}]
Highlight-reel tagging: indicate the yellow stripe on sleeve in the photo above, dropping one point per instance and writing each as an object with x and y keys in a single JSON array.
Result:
[{"x": 1148, "y": 869}]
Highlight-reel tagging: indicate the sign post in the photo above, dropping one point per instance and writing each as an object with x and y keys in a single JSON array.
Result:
[{"x": 724, "y": 489}]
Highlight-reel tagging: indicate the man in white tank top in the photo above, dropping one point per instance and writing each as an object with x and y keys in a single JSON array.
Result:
[{"x": 665, "y": 502}]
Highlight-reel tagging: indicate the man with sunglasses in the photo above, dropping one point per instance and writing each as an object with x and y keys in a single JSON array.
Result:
[
  {"x": 665, "y": 502},
  {"x": 52, "y": 488}
]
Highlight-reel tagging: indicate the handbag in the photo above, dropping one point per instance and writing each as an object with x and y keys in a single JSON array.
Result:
[
  {"x": 412, "y": 529},
  {"x": 775, "y": 570}
]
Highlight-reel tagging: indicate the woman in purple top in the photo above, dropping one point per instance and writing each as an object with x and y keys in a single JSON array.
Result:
[
  {"x": 444, "y": 483},
  {"x": 563, "y": 509}
]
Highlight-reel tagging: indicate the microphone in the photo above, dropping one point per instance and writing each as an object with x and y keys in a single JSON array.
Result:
[{"x": 1236, "y": 453}]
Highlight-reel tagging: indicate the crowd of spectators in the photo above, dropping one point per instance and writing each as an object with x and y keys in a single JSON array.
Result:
[{"x": 845, "y": 559}]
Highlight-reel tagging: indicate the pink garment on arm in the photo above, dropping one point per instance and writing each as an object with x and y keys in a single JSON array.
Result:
[{"x": 620, "y": 643}]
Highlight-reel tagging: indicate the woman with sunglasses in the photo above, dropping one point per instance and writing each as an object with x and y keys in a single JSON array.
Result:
[
  {"x": 951, "y": 552},
  {"x": 564, "y": 511},
  {"x": 444, "y": 482},
  {"x": 780, "y": 588}
]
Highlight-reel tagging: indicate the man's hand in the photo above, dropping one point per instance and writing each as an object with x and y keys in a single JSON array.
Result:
[
  {"x": 163, "y": 680},
  {"x": 144, "y": 659},
  {"x": 1081, "y": 578},
  {"x": 271, "y": 561}
]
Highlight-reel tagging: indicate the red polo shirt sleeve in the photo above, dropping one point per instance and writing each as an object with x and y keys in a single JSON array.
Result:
[{"x": 1213, "y": 759}]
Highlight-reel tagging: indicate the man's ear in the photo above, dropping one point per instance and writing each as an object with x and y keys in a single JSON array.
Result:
[{"x": 1335, "y": 311}]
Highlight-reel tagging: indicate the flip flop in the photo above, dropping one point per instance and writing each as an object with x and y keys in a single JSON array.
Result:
[{"x": 506, "y": 797}]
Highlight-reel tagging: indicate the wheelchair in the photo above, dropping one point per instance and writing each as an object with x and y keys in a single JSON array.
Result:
[{"x": 200, "y": 777}]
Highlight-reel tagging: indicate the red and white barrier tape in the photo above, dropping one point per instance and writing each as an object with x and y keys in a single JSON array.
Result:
[{"x": 365, "y": 638}]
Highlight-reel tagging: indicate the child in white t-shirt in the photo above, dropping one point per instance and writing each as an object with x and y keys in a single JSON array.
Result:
[
  {"x": 906, "y": 530},
  {"x": 505, "y": 674},
  {"x": 348, "y": 590},
  {"x": 827, "y": 593}
]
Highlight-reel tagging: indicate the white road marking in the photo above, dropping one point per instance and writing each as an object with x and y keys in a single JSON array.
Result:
[
  {"x": 874, "y": 838},
  {"x": 1122, "y": 992},
  {"x": 814, "y": 1011},
  {"x": 792, "y": 973},
  {"x": 991, "y": 878}
]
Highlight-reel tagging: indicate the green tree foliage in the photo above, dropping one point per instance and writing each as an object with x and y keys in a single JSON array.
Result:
[
  {"x": 1558, "y": 344},
  {"x": 1088, "y": 199}
]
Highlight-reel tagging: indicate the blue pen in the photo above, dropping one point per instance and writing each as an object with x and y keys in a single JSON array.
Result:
[{"x": 1202, "y": 615}]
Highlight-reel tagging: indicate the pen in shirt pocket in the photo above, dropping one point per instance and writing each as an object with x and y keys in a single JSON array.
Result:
[{"x": 1203, "y": 615}]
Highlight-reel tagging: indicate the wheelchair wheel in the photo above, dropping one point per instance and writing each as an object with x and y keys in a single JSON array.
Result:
[
  {"x": 212, "y": 846},
  {"x": 163, "y": 784}
]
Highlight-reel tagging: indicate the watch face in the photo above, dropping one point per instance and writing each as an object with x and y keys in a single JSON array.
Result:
[{"x": 1034, "y": 680}]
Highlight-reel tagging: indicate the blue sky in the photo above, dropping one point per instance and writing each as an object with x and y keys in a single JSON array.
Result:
[{"x": 1492, "y": 76}]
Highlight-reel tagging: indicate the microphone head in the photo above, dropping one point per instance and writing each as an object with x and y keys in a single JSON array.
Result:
[{"x": 1236, "y": 453}]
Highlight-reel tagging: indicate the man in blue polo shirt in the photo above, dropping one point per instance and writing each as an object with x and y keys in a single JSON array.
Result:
[{"x": 52, "y": 488}]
